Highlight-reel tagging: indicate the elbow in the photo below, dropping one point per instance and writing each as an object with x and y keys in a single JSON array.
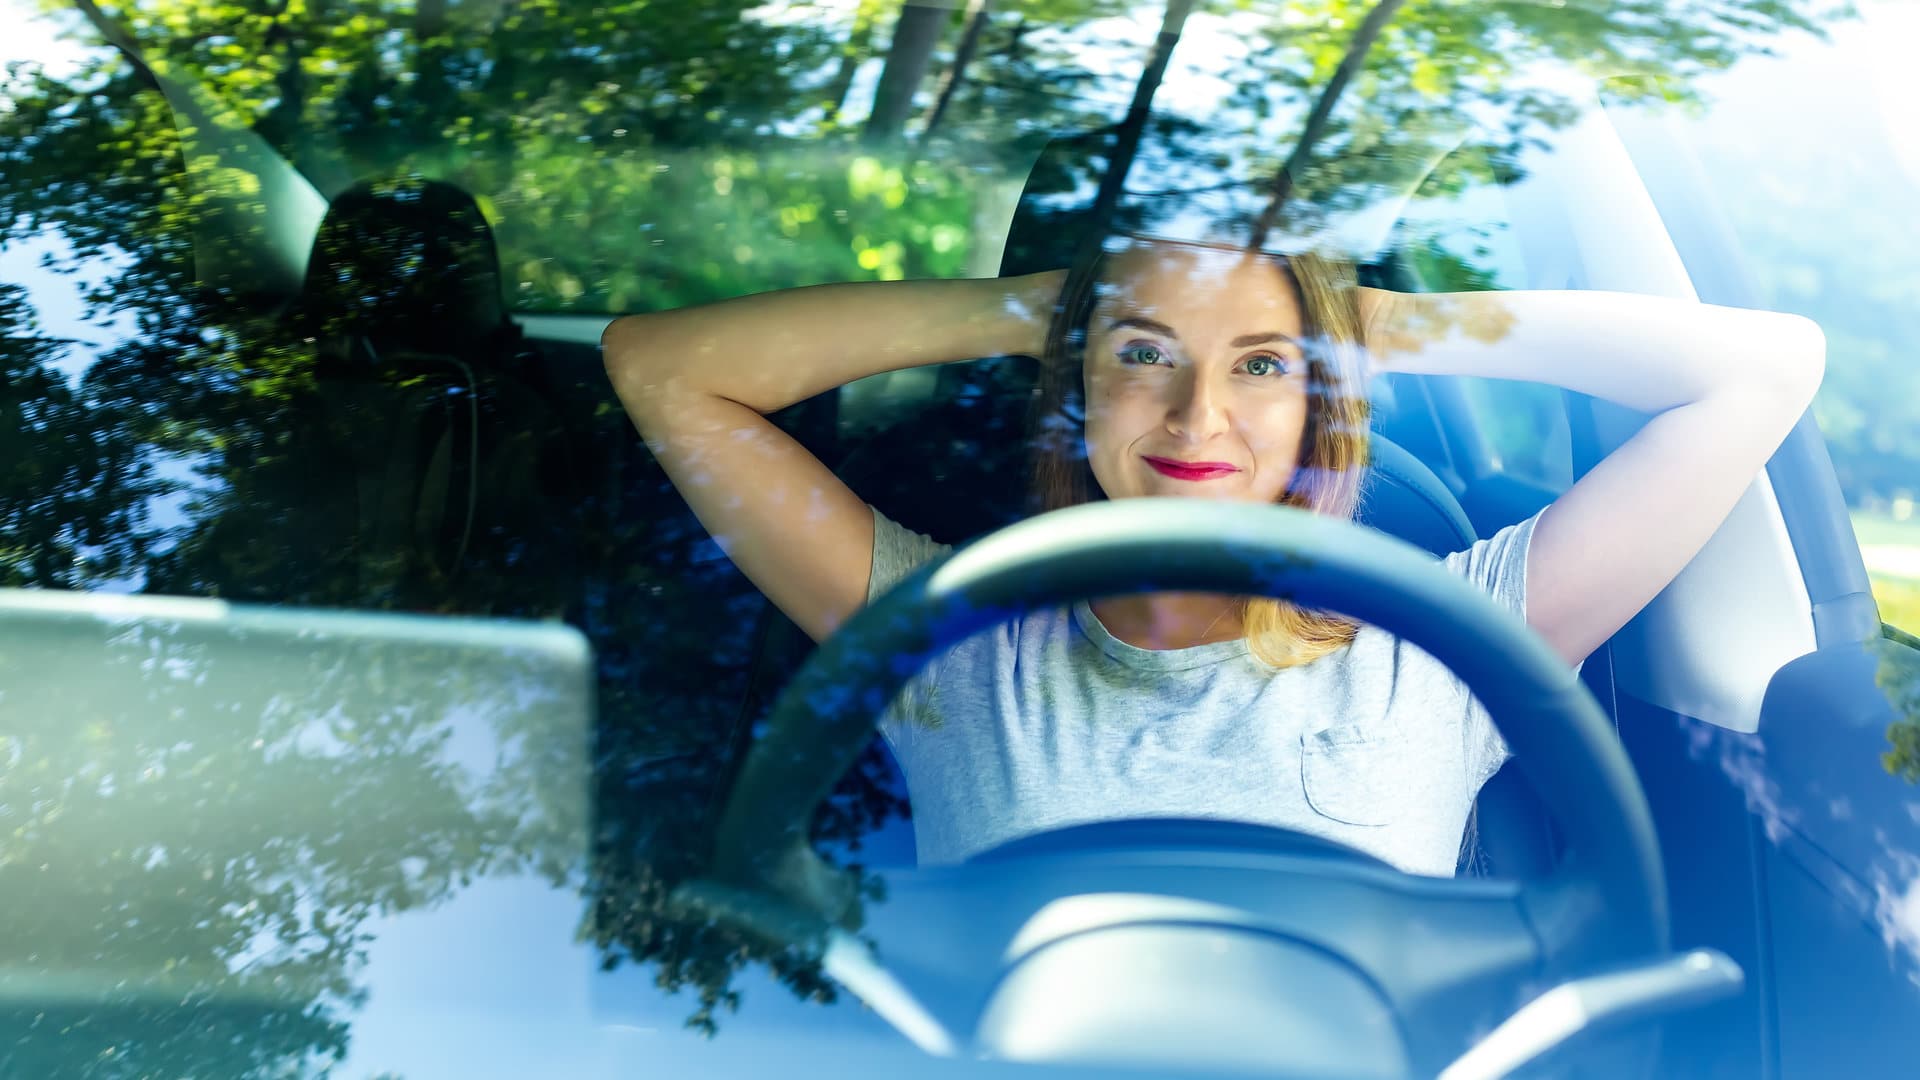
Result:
[
  {"x": 617, "y": 352},
  {"x": 1774, "y": 365},
  {"x": 630, "y": 354},
  {"x": 1804, "y": 353},
  {"x": 1778, "y": 356}
]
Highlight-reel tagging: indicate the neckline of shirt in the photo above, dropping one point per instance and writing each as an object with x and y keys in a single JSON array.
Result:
[{"x": 1153, "y": 659}]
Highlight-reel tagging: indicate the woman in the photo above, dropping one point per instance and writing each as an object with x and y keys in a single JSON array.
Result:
[{"x": 1181, "y": 369}]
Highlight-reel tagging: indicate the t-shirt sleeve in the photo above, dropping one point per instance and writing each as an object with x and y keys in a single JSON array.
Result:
[
  {"x": 897, "y": 553},
  {"x": 1498, "y": 564},
  {"x": 1498, "y": 567}
]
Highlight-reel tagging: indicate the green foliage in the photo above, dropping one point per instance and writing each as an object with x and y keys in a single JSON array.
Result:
[
  {"x": 70, "y": 494},
  {"x": 1899, "y": 600},
  {"x": 1447, "y": 87},
  {"x": 684, "y": 228},
  {"x": 1898, "y": 677}
]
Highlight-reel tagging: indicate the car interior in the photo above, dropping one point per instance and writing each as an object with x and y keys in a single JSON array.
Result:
[
  {"x": 479, "y": 405},
  {"x": 489, "y": 393}
]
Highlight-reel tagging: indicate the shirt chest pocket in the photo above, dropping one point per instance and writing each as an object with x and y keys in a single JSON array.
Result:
[{"x": 1355, "y": 777}]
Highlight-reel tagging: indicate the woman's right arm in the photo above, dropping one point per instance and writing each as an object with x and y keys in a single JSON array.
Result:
[{"x": 699, "y": 382}]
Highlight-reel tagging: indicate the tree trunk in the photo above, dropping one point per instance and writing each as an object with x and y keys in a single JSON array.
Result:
[
  {"x": 977, "y": 12},
  {"x": 852, "y": 54},
  {"x": 908, "y": 56},
  {"x": 1126, "y": 141},
  {"x": 1316, "y": 125}
]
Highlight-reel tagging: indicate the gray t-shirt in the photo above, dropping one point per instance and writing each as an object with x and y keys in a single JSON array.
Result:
[{"x": 1049, "y": 720}]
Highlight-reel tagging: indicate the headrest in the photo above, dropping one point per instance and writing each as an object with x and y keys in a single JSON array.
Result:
[
  {"x": 1403, "y": 498},
  {"x": 408, "y": 264}
]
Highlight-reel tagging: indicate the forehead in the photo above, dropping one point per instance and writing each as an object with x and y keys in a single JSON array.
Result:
[{"x": 1192, "y": 288}]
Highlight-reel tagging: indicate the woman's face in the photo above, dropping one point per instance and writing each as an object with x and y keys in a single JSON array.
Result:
[{"x": 1195, "y": 378}]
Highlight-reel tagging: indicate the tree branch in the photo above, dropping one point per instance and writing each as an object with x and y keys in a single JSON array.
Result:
[
  {"x": 1127, "y": 137},
  {"x": 915, "y": 34},
  {"x": 859, "y": 44},
  {"x": 977, "y": 12},
  {"x": 1316, "y": 125}
]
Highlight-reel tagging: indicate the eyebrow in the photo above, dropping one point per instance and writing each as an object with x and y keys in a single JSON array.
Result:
[{"x": 1158, "y": 327}]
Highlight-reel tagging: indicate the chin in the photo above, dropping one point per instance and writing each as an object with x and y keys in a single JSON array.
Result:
[{"x": 1179, "y": 490}]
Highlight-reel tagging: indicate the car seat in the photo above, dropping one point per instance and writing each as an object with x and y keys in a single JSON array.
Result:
[{"x": 424, "y": 390}]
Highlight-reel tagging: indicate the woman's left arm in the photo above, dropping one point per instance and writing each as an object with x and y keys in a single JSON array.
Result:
[{"x": 1725, "y": 386}]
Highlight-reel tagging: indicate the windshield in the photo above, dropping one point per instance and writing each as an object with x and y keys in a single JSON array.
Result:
[{"x": 310, "y": 309}]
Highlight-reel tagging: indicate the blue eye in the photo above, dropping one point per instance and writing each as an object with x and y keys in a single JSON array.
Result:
[
  {"x": 1143, "y": 352},
  {"x": 1265, "y": 365}
]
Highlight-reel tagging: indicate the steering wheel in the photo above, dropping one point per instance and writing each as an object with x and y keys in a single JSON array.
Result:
[{"x": 1604, "y": 903}]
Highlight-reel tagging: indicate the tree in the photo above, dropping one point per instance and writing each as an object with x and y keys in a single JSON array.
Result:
[
  {"x": 1423, "y": 66},
  {"x": 1897, "y": 674},
  {"x": 192, "y": 854},
  {"x": 909, "y": 55},
  {"x": 851, "y": 53},
  {"x": 1021, "y": 74},
  {"x": 1315, "y": 124},
  {"x": 1335, "y": 103},
  {"x": 1128, "y": 133},
  {"x": 974, "y": 23},
  {"x": 71, "y": 502}
]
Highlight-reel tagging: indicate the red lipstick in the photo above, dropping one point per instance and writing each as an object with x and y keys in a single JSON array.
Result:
[{"x": 1190, "y": 470}]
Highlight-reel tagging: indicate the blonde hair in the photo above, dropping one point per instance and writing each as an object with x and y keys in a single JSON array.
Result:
[{"x": 1333, "y": 448}]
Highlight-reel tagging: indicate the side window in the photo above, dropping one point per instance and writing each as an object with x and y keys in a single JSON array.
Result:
[
  {"x": 1526, "y": 431},
  {"x": 1822, "y": 237},
  {"x": 1889, "y": 538},
  {"x": 1520, "y": 428}
]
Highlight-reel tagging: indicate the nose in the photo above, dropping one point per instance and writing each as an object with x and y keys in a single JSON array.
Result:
[{"x": 1197, "y": 412}]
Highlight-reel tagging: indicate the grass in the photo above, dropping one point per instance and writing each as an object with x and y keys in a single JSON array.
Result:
[
  {"x": 1898, "y": 597},
  {"x": 1882, "y": 529},
  {"x": 1899, "y": 601}
]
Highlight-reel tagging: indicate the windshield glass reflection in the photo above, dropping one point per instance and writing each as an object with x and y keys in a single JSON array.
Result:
[{"x": 270, "y": 332}]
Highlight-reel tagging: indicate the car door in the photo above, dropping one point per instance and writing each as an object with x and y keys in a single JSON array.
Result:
[{"x": 1796, "y": 842}]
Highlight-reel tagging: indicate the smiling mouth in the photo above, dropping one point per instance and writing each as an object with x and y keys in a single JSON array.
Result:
[{"x": 1190, "y": 470}]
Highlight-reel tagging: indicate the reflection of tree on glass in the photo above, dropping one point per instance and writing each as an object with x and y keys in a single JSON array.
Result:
[
  {"x": 1897, "y": 674},
  {"x": 677, "y": 140},
  {"x": 65, "y": 484},
  {"x": 201, "y": 817}
]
